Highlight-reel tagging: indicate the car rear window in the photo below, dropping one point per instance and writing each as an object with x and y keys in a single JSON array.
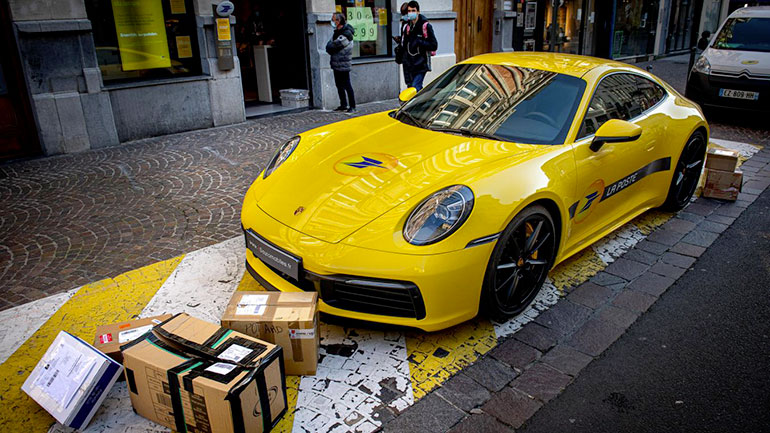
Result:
[{"x": 744, "y": 34}]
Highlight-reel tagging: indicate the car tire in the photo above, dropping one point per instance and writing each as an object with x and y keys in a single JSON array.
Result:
[
  {"x": 519, "y": 264},
  {"x": 687, "y": 173}
]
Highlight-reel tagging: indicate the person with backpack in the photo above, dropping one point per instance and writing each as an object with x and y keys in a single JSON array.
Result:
[
  {"x": 419, "y": 44},
  {"x": 340, "y": 48},
  {"x": 399, "y": 50}
]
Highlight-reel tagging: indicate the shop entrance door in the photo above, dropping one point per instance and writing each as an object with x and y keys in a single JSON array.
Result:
[
  {"x": 17, "y": 130},
  {"x": 473, "y": 31},
  {"x": 272, "y": 51}
]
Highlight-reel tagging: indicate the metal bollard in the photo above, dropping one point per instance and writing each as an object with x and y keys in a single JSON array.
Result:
[{"x": 693, "y": 50}]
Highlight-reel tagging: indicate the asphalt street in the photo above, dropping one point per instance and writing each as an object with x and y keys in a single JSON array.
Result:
[{"x": 697, "y": 361}]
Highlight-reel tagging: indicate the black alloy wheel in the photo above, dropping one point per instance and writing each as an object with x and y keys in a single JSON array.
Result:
[
  {"x": 519, "y": 264},
  {"x": 686, "y": 173}
]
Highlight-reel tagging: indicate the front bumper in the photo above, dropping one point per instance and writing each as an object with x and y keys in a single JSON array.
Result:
[
  {"x": 430, "y": 292},
  {"x": 704, "y": 89}
]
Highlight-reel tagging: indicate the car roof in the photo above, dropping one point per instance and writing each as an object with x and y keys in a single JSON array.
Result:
[
  {"x": 568, "y": 64},
  {"x": 755, "y": 11}
]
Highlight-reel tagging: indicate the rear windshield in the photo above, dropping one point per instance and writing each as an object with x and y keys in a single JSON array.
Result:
[{"x": 744, "y": 34}]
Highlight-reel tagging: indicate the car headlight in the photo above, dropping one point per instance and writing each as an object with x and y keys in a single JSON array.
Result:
[
  {"x": 439, "y": 215},
  {"x": 702, "y": 66},
  {"x": 280, "y": 156}
]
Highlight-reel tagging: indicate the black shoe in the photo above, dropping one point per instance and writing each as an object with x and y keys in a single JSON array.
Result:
[
  {"x": 352, "y": 110},
  {"x": 341, "y": 108}
]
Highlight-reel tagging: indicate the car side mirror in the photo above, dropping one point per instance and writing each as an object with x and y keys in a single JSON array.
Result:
[
  {"x": 615, "y": 131},
  {"x": 407, "y": 94}
]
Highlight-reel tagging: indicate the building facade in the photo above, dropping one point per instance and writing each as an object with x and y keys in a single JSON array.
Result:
[{"x": 86, "y": 74}]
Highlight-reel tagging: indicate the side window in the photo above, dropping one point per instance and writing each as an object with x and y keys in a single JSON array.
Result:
[
  {"x": 620, "y": 96},
  {"x": 650, "y": 93},
  {"x": 613, "y": 99}
]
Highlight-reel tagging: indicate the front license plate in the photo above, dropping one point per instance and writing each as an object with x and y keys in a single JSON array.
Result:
[
  {"x": 738, "y": 94},
  {"x": 275, "y": 257}
]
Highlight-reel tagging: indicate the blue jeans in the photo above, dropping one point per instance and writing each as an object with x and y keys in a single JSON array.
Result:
[{"x": 414, "y": 80}]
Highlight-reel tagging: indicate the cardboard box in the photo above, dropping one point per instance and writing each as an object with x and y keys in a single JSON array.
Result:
[
  {"x": 722, "y": 159},
  {"x": 724, "y": 185},
  {"x": 289, "y": 320},
  {"x": 109, "y": 337},
  {"x": 71, "y": 380},
  {"x": 191, "y": 375}
]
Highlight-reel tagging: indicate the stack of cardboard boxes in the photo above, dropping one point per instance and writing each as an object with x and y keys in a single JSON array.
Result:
[
  {"x": 723, "y": 180},
  {"x": 185, "y": 373}
]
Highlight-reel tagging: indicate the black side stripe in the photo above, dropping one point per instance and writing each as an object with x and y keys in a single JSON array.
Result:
[{"x": 662, "y": 164}]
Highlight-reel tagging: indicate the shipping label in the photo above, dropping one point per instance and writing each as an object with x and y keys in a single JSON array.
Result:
[
  {"x": 302, "y": 333},
  {"x": 221, "y": 368},
  {"x": 253, "y": 305},
  {"x": 133, "y": 334},
  {"x": 234, "y": 353}
]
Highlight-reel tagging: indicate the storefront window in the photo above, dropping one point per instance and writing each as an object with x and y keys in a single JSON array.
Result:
[
  {"x": 144, "y": 39},
  {"x": 567, "y": 29},
  {"x": 679, "y": 26},
  {"x": 371, "y": 21},
  {"x": 635, "y": 26}
]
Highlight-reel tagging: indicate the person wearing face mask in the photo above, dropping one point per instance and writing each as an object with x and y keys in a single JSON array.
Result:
[
  {"x": 419, "y": 43},
  {"x": 399, "y": 50},
  {"x": 340, "y": 48}
]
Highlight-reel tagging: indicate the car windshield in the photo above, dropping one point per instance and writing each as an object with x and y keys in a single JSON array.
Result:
[
  {"x": 745, "y": 34},
  {"x": 506, "y": 103}
]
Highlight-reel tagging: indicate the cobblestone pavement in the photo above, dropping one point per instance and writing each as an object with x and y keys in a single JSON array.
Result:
[{"x": 69, "y": 220}]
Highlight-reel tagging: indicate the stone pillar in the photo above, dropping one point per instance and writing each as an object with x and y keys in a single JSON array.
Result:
[
  {"x": 502, "y": 31},
  {"x": 58, "y": 58}
]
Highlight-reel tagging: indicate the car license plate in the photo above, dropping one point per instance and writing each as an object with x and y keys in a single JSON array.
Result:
[
  {"x": 738, "y": 94},
  {"x": 273, "y": 256}
]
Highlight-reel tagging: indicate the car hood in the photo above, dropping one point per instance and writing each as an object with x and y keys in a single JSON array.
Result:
[
  {"x": 734, "y": 62},
  {"x": 357, "y": 170}
]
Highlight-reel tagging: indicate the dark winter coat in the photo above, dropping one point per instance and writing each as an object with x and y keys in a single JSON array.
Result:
[
  {"x": 340, "y": 48},
  {"x": 417, "y": 47}
]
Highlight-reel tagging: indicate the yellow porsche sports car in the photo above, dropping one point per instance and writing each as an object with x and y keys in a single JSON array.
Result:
[{"x": 461, "y": 200}]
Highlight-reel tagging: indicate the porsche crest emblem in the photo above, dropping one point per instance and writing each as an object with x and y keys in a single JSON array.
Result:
[{"x": 299, "y": 210}]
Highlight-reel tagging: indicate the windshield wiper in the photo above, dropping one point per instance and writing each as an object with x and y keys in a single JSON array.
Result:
[
  {"x": 411, "y": 118},
  {"x": 468, "y": 133}
]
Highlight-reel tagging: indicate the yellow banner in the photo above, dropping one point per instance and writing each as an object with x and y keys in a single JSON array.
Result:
[
  {"x": 383, "y": 16},
  {"x": 183, "y": 47},
  {"x": 223, "y": 29},
  {"x": 141, "y": 31},
  {"x": 177, "y": 7}
]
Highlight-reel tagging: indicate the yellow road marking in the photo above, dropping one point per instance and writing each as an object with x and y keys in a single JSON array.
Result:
[
  {"x": 576, "y": 270},
  {"x": 651, "y": 220},
  {"x": 107, "y": 301},
  {"x": 249, "y": 284},
  {"x": 434, "y": 358}
]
